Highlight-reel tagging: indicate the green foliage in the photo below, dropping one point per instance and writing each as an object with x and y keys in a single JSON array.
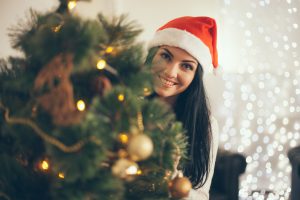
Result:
[
  {"x": 119, "y": 32},
  {"x": 48, "y": 35},
  {"x": 19, "y": 182},
  {"x": 102, "y": 186},
  {"x": 87, "y": 170}
]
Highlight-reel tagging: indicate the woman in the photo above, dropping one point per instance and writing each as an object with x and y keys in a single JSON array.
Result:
[{"x": 180, "y": 52}]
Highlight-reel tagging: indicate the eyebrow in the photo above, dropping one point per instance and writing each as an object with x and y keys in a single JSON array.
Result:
[
  {"x": 191, "y": 61},
  {"x": 169, "y": 52}
]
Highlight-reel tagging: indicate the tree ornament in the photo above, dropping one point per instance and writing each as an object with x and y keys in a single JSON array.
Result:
[
  {"x": 37, "y": 130},
  {"x": 124, "y": 168},
  {"x": 58, "y": 99},
  {"x": 134, "y": 130},
  {"x": 180, "y": 187},
  {"x": 147, "y": 91},
  {"x": 140, "y": 147}
]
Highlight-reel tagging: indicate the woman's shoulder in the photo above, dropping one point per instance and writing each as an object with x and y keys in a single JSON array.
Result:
[
  {"x": 214, "y": 128},
  {"x": 212, "y": 118},
  {"x": 214, "y": 123}
]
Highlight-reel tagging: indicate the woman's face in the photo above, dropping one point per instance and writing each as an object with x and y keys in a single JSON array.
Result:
[{"x": 174, "y": 69}]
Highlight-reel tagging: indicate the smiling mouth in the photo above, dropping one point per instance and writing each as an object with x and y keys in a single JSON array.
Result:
[{"x": 166, "y": 82}]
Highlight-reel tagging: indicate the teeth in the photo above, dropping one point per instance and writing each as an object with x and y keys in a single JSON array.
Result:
[{"x": 166, "y": 82}]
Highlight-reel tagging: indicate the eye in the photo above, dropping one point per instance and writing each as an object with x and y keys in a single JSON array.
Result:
[
  {"x": 187, "y": 66},
  {"x": 165, "y": 56}
]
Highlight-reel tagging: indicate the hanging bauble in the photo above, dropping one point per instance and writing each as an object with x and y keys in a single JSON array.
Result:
[
  {"x": 58, "y": 97},
  {"x": 180, "y": 187},
  {"x": 140, "y": 147},
  {"x": 124, "y": 168}
]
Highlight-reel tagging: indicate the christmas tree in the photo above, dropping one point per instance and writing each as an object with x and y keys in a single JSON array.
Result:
[{"x": 76, "y": 120}]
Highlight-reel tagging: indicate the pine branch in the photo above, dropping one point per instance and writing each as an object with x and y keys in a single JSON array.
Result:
[{"x": 119, "y": 30}]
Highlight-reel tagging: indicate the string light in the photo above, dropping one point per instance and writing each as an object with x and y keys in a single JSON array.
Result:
[
  {"x": 61, "y": 175},
  {"x": 132, "y": 170},
  {"x": 44, "y": 165},
  {"x": 72, "y": 4},
  {"x": 139, "y": 172},
  {"x": 121, "y": 97},
  {"x": 147, "y": 91},
  {"x": 101, "y": 64},
  {"x": 109, "y": 49},
  {"x": 264, "y": 91},
  {"x": 123, "y": 138},
  {"x": 80, "y": 105},
  {"x": 57, "y": 28}
]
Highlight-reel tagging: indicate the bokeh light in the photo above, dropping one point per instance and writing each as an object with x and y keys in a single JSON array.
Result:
[{"x": 261, "y": 96}]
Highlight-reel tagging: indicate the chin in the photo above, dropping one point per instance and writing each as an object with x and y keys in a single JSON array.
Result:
[{"x": 162, "y": 92}]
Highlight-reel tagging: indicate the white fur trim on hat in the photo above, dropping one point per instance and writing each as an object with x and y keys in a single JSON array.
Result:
[{"x": 184, "y": 40}]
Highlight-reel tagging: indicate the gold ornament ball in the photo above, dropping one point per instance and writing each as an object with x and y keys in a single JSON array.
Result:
[
  {"x": 180, "y": 187},
  {"x": 124, "y": 167},
  {"x": 140, "y": 147}
]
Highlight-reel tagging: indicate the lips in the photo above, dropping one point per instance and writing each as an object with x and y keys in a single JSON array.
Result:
[{"x": 166, "y": 82}]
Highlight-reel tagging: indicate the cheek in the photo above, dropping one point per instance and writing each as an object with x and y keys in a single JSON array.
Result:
[{"x": 186, "y": 79}]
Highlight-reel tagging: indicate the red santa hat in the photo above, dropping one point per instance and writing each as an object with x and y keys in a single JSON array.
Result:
[{"x": 196, "y": 35}]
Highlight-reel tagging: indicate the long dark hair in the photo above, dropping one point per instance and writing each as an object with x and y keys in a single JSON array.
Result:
[{"x": 192, "y": 109}]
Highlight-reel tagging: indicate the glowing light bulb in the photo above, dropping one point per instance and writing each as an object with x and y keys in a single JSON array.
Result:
[
  {"x": 72, "y": 4},
  {"x": 61, "y": 175},
  {"x": 44, "y": 165},
  {"x": 57, "y": 28},
  {"x": 147, "y": 91},
  {"x": 121, "y": 97},
  {"x": 80, "y": 105},
  {"x": 139, "y": 172},
  {"x": 109, "y": 49},
  {"x": 123, "y": 137},
  {"x": 132, "y": 170},
  {"x": 101, "y": 64}
]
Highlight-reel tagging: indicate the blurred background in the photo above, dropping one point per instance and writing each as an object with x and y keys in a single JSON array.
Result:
[{"x": 255, "y": 95}]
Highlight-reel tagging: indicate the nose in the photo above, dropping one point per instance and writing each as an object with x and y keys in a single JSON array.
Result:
[{"x": 171, "y": 70}]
